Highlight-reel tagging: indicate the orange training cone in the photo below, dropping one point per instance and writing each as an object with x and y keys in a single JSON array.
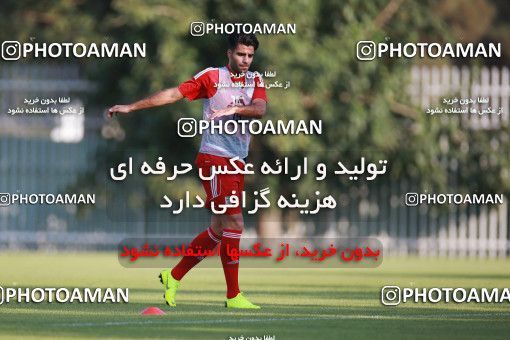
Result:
[{"x": 152, "y": 311}]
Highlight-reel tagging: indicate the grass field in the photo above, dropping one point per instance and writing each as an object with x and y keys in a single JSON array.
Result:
[{"x": 297, "y": 303}]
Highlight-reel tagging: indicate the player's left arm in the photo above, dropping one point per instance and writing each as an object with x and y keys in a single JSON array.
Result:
[{"x": 257, "y": 109}]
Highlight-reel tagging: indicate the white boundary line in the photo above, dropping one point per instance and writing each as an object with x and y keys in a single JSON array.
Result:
[{"x": 439, "y": 317}]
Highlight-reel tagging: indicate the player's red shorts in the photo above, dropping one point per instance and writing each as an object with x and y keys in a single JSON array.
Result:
[{"x": 220, "y": 186}]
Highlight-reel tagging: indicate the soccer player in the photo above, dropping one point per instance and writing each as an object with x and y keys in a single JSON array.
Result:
[{"x": 241, "y": 95}]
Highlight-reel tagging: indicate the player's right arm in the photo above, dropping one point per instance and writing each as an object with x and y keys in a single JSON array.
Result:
[{"x": 168, "y": 96}]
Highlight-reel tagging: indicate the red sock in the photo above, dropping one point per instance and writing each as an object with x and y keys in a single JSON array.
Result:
[
  {"x": 229, "y": 241},
  {"x": 207, "y": 240}
]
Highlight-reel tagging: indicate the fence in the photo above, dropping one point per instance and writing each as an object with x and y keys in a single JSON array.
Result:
[
  {"x": 429, "y": 85},
  {"x": 31, "y": 161},
  {"x": 463, "y": 231}
]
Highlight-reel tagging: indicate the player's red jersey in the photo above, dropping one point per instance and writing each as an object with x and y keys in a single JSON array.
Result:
[
  {"x": 202, "y": 85},
  {"x": 215, "y": 150}
]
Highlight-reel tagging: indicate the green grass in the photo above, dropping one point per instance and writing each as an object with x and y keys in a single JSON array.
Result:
[{"x": 296, "y": 303}]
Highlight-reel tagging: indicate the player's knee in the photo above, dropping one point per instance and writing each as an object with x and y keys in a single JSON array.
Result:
[
  {"x": 237, "y": 226},
  {"x": 217, "y": 229},
  {"x": 238, "y": 223},
  {"x": 235, "y": 222}
]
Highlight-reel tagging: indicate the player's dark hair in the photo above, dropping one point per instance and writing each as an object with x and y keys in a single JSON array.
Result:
[{"x": 244, "y": 39}]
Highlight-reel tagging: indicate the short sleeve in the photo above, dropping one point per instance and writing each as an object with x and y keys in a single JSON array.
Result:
[
  {"x": 260, "y": 89},
  {"x": 201, "y": 86}
]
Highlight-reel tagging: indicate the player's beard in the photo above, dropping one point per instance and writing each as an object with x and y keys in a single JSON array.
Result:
[
  {"x": 246, "y": 68},
  {"x": 237, "y": 69}
]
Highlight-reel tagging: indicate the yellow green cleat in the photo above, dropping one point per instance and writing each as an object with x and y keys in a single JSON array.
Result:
[
  {"x": 240, "y": 302},
  {"x": 171, "y": 286}
]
